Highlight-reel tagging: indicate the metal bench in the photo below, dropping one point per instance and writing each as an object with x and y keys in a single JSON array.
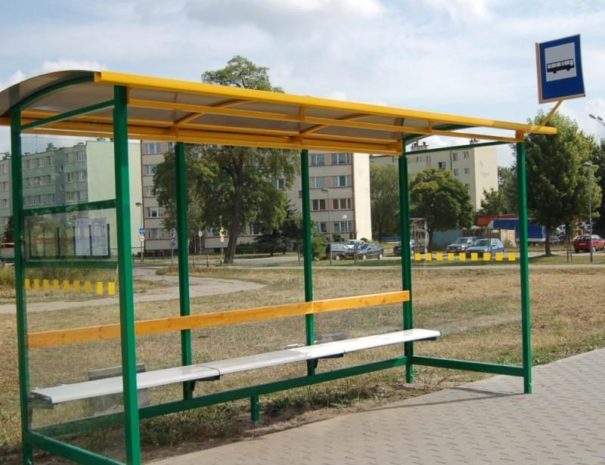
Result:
[{"x": 214, "y": 370}]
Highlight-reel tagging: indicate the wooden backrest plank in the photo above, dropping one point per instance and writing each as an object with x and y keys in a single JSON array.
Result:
[{"x": 105, "y": 332}]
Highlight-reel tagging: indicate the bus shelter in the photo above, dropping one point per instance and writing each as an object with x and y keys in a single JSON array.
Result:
[{"x": 121, "y": 107}]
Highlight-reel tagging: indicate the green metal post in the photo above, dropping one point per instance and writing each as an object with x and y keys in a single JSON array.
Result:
[
  {"x": 22, "y": 353},
  {"x": 255, "y": 408},
  {"x": 524, "y": 264},
  {"x": 183, "y": 239},
  {"x": 308, "y": 251},
  {"x": 127, "y": 329},
  {"x": 406, "y": 258}
]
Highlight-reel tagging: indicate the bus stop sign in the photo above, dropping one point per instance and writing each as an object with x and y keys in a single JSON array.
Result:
[{"x": 559, "y": 69}]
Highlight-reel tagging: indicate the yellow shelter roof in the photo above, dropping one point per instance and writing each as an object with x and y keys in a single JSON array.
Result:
[{"x": 192, "y": 112}]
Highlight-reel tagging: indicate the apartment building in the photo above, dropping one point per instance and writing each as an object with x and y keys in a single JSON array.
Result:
[
  {"x": 475, "y": 167},
  {"x": 79, "y": 174},
  {"x": 340, "y": 194},
  {"x": 340, "y": 198}
]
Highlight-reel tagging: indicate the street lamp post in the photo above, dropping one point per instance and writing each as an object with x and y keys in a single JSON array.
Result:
[{"x": 588, "y": 165}]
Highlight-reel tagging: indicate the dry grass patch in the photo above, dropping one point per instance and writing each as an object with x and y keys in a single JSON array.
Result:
[{"x": 477, "y": 311}]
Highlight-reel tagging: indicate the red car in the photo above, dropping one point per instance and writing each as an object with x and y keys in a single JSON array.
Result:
[{"x": 582, "y": 243}]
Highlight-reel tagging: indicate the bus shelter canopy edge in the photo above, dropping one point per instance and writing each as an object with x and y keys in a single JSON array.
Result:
[{"x": 191, "y": 112}]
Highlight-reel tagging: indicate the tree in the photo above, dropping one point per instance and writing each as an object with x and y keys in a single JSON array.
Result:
[
  {"x": 384, "y": 195},
  {"x": 557, "y": 183},
  {"x": 492, "y": 203},
  {"x": 507, "y": 186},
  {"x": 233, "y": 186},
  {"x": 164, "y": 181},
  {"x": 598, "y": 160},
  {"x": 441, "y": 199}
]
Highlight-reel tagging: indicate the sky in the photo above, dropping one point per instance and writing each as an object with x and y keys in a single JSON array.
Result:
[{"x": 468, "y": 57}]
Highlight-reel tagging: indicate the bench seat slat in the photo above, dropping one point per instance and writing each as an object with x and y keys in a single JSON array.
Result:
[{"x": 210, "y": 370}]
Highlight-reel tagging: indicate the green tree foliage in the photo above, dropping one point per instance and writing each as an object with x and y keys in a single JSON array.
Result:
[
  {"x": 164, "y": 181},
  {"x": 492, "y": 203},
  {"x": 442, "y": 200},
  {"x": 232, "y": 186},
  {"x": 507, "y": 186},
  {"x": 384, "y": 194},
  {"x": 598, "y": 160},
  {"x": 557, "y": 182}
]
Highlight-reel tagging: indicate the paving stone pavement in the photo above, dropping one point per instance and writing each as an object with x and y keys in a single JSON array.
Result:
[{"x": 486, "y": 422}]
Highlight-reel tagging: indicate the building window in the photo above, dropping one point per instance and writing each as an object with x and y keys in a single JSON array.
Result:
[
  {"x": 280, "y": 184},
  {"x": 341, "y": 181},
  {"x": 466, "y": 154},
  {"x": 454, "y": 156},
  {"x": 468, "y": 187},
  {"x": 318, "y": 159},
  {"x": 341, "y": 204},
  {"x": 341, "y": 158},
  {"x": 150, "y": 148},
  {"x": 149, "y": 170},
  {"x": 319, "y": 204},
  {"x": 342, "y": 226},
  {"x": 153, "y": 212},
  {"x": 322, "y": 227},
  {"x": 456, "y": 171},
  {"x": 317, "y": 182},
  {"x": 148, "y": 191},
  {"x": 442, "y": 165},
  {"x": 467, "y": 170}
]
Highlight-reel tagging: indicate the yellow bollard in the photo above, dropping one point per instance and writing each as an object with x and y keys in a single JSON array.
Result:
[
  {"x": 474, "y": 256},
  {"x": 55, "y": 285},
  {"x": 462, "y": 256},
  {"x": 417, "y": 257},
  {"x": 428, "y": 256},
  {"x": 439, "y": 256},
  {"x": 111, "y": 288},
  {"x": 100, "y": 288},
  {"x": 88, "y": 287},
  {"x": 77, "y": 288},
  {"x": 499, "y": 256},
  {"x": 66, "y": 285},
  {"x": 512, "y": 256},
  {"x": 27, "y": 283},
  {"x": 45, "y": 284},
  {"x": 36, "y": 283},
  {"x": 451, "y": 257},
  {"x": 487, "y": 257}
]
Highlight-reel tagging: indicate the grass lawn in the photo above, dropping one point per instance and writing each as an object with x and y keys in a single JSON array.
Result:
[{"x": 477, "y": 311}]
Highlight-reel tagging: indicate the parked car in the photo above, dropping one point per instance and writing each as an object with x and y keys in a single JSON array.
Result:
[
  {"x": 339, "y": 250},
  {"x": 370, "y": 251},
  {"x": 582, "y": 243},
  {"x": 461, "y": 244},
  {"x": 482, "y": 246},
  {"x": 397, "y": 248}
]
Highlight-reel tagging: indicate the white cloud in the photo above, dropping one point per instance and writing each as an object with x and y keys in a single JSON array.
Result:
[{"x": 464, "y": 11}]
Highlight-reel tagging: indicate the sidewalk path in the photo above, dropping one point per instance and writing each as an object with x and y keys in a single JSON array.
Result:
[
  {"x": 168, "y": 290},
  {"x": 487, "y": 422}
]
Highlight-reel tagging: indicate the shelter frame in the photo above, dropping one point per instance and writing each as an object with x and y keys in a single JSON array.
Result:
[{"x": 389, "y": 138}]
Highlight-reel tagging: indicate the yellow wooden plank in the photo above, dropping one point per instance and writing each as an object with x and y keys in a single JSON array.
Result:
[
  {"x": 451, "y": 257},
  {"x": 104, "y": 332}
]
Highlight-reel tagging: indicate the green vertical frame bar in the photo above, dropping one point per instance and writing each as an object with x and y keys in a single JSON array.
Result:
[
  {"x": 127, "y": 320},
  {"x": 308, "y": 251},
  {"x": 182, "y": 232},
  {"x": 22, "y": 351},
  {"x": 406, "y": 258},
  {"x": 524, "y": 268}
]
